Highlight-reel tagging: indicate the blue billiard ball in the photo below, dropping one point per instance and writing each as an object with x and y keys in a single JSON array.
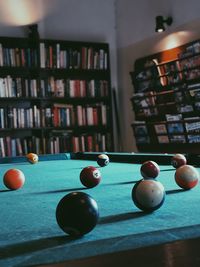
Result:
[
  {"x": 148, "y": 194},
  {"x": 103, "y": 160}
]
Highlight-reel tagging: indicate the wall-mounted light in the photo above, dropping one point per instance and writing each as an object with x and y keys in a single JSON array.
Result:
[
  {"x": 160, "y": 21},
  {"x": 33, "y": 31}
]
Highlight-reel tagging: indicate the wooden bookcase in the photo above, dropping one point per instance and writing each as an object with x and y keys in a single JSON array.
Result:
[
  {"x": 166, "y": 100},
  {"x": 55, "y": 96}
]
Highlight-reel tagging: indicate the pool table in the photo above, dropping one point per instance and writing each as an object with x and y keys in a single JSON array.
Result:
[{"x": 30, "y": 235}]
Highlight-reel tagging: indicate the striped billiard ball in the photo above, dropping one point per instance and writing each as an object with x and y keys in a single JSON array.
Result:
[
  {"x": 178, "y": 160},
  {"x": 187, "y": 177},
  {"x": 148, "y": 194},
  {"x": 103, "y": 160}
]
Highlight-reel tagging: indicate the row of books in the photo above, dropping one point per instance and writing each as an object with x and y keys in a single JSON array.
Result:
[
  {"x": 60, "y": 115},
  {"x": 190, "y": 50},
  {"x": 165, "y": 139},
  {"x": 18, "y": 57},
  {"x": 174, "y": 129},
  {"x": 81, "y": 143},
  {"x": 61, "y": 142},
  {"x": 68, "y": 115},
  {"x": 152, "y": 104},
  {"x": 169, "y": 73},
  {"x": 54, "y": 56},
  {"x": 22, "y": 87}
]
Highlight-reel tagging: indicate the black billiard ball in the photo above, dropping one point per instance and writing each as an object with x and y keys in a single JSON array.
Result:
[
  {"x": 148, "y": 194},
  {"x": 77, "y": 213},
  {"x": 103, "y": 160},
  {"x": 90, "y": 176},
  {"x": 187, "y": 176},
  {"x": 178, "y": 160},
  {"x": 149, "y": 169}
]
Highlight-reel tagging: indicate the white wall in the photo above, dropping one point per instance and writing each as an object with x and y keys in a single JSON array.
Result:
[
  {"x": 76, "y": 20},
  {"x": 136, "y": 37}
]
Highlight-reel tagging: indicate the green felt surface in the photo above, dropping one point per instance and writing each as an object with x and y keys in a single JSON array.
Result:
[{"x": 29, "y": 231}]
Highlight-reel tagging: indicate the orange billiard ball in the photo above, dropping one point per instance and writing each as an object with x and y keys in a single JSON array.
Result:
[
  {"x": 187, "y": 177},
  {"x": 14, "y": 179},
  {"x": 32, "y": 158}
]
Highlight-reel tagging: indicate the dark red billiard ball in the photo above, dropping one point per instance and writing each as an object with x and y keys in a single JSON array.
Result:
[
  {"x": 77, "y": 213},
  {"x": 187, "y": 176},
  {"x": 103, "y": 160},
  {"x": 148, "y": 194},
  {"x": 90, "y": 176},
  {"x": 14, "y": 179},
  {"x": 178, "y": 160},
  {"x": 149, "y": 169}
]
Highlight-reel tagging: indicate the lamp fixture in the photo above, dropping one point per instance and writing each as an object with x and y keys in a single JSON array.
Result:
[
  {"x": 33, "y": 32},
  {"x": 160, "y": 21}
]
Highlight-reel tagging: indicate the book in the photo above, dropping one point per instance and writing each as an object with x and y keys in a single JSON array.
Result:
[
  {"x": 140, "y": 130},
  {"x": 142, "y": 139},
  {"x": 163, "y": 139},
  {"x": 177, "y": 139},
  {"x": 173, "y": 117},
  {"x": 193, "y": 138},
  {"x": 175, "y": 128},
  {"x": 192, "y": 126},
  {"x": 160, "y": 128}
]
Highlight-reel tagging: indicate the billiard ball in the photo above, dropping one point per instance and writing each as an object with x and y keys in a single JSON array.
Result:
[
  {"x": 90, "y": 176},
  {"x": 148, "y": 194},
  {"x": 14, "y": 179},
  {"x": 32, "y": 158},
  {"x": 187, "y": 176},
  {"x": 77, "y": 213},
  {"x": 103, "y": 160},
  {"x": 178, "y": 160},
  {"x": 149, "y": 169}
]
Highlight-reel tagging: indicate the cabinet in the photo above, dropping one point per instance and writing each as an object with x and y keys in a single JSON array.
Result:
[
  {"x": 166, "y": 100},
  {"x": 55, "y": 96}
]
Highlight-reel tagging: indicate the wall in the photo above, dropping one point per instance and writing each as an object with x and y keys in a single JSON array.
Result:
[
  {"x": 136, "y": 37},
  {"x": 78, "y": 20}
]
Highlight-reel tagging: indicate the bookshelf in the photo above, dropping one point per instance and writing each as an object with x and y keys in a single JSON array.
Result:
[
  {"x": 55, "y": 96},
  {"x": 166, "y": 100}
]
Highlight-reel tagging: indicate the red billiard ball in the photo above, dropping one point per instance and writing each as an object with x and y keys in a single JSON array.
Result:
[
  {"x": 32, "y": 158},
  {"x": 187, "y": 176},
  {"x": 148, "y": 194},
  {"x": 90, "y": 176},
  {"x": 149, "y": 169},
  {"x": 14, "y": 179},
  {"x": 77, "y": 213},
  {"x": 103, "y": 160},
  {"x": 178, "y": 160}
]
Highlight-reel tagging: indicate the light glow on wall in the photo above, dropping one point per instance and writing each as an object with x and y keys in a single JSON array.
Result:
[
  {"x": 21, "y": 12},
  {"x": 174, "y": 39}
]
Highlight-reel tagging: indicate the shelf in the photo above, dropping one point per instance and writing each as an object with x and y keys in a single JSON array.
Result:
[
  {"x": 55, "y": 95},
  {"x": 160, "y": 95}
]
